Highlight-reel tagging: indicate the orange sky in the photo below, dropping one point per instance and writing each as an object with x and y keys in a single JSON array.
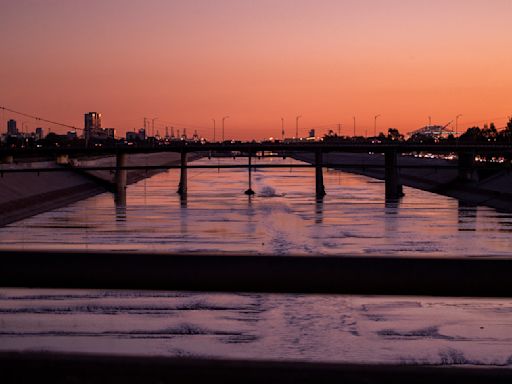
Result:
[{"x": 189, "y": 61}]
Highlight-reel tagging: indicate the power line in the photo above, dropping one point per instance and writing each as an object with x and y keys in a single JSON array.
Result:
[
  {"x": 40, "y": 118},
  {"x": 46, "y": 120}
]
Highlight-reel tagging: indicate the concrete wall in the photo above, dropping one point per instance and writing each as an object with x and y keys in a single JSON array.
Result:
[{"x": 26, "y": 194}]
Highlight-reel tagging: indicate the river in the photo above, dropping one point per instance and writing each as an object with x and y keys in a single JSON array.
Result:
[{"x": 283, "y": 218}]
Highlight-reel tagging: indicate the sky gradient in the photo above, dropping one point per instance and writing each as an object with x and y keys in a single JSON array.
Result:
[{"x": 189, "y": 61}]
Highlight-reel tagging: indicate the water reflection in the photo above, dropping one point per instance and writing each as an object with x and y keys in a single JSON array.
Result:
[
  {"x": 252, "y": 218},
  {"x": 121, "y": 212},
  {"x": 319, "y": 209},
  {"x": 284, "y": 217},
  {"x": 467, "y": 216},
  {"x": 183, "y": 200},
  {"x": 391, "y": 213},
  {"x": 184, "y": 215},
  {"x": 391, "y": 206}
]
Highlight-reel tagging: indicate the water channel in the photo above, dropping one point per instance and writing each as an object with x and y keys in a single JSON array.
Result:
[{"x": 283, "y": 218}]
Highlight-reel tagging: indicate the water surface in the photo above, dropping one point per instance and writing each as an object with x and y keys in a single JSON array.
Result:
[{"x": 283, "y": 218}]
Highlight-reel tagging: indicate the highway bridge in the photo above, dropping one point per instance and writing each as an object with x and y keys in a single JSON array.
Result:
[{"x": 465, "y": 154}]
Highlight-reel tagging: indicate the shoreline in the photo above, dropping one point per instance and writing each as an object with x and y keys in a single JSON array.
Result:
[{"x": 26, "y": 195}]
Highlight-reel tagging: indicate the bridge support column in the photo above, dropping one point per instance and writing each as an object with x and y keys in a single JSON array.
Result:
[
  {"x": 62, "y": 159},
  {"x": 250, "y": 192},
  {"x": 182, "y": 187},
  {"x": 319, "y": 175},
  {"x": 7, "y": 159},
  {"x": 394, "y": 189},
  {"x": 466, "y": 167},
  {"x": 121, "y": 178}
]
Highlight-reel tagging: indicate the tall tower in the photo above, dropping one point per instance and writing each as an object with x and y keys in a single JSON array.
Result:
[
  {"x": 12, "y": 130},
  {"x": 92, "y": 122}
]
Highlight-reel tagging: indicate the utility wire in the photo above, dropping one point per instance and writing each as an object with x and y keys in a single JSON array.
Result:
[
  {"x": 40, "y": 118},
  {"x": 46, "y": 120}
]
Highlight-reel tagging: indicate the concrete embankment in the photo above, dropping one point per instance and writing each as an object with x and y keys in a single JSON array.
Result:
[
  {"x": 493, "y": 190},
  {"x": 26, "y": 194},
  {"x": 139, "y": 159}
]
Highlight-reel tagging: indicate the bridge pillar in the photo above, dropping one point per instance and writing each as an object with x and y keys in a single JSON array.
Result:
[
  {"x": 466, "y": 163},
  {"x": 319, "y": 175},
  {"x": 62, "y": 159},
  {"x": 7, "y": 159},
  {"x": 394, "y": 189},
  {"x": 182, "y": 187},
  {"x": 250, "y": 192},
  {"x": 121, "y": 178}
]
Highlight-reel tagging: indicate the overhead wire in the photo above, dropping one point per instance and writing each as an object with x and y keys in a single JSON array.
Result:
[
  {"x": 37, "y": 118},
  {"x": 40, "y": 118}
]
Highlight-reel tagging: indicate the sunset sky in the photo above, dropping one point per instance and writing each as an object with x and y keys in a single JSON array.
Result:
[{"x": 188, "y": 61}]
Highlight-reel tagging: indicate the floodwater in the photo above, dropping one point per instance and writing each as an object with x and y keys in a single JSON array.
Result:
[{"x": 283, "y": 218}]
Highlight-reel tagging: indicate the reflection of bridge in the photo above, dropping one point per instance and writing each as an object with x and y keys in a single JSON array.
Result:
[{"x": 465, "y": 163}]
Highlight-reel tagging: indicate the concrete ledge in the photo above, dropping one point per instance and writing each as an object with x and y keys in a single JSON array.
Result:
[
  {"x": 455, "y": 277},
  {"x": 70, "y": 368}
]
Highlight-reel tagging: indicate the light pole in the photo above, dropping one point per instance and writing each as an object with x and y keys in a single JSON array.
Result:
[
  {"x": 457, "y": 124},
  {"x": 375, "y": 125},
  {"x": 354, "y": 126},
  {"x": 282, "y": 128},
  {"x": 297, "y": 126},
  {"x": 153, "y": 126},
  {"x": 223, "y": 119},
  {"x": 430, "y": 121},
  {"x": 214, "y": 130}
]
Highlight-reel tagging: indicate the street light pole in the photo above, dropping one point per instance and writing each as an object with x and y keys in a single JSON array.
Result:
[
  {"x": 153, "y": 126},
  {"x": 214, "y": 130},
  {"x": 457, "y": 124},
  {"x": 354, "y": 126},
  {"x": 223, "y": 119},
  {"x": 297, "y": 126},
  {"x": 282, "y": 128},
  {"x": 375, "y": 125}
]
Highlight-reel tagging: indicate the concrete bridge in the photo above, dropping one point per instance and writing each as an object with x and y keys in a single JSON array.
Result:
[{"x": 465, "y": 164}]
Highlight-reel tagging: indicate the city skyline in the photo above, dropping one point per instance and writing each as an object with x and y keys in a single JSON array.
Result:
[{"x": 187, "y": 63}]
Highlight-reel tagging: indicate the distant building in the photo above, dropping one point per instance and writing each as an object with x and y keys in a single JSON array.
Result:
[
  {"x": 92, "y": 124},
  {"x": 92, "y": 120},
  {"x": 39, "y": 133},
  {"x": 136, "y": 136},
  {"x": 132, "y": 136},
  {"x": 12, "y": 130},
  {"x": 311, "y": 133},
  {"x": 93, "y": 130},
  {"x": 71, "y": 135},
  {"x": 434, "y": 131},
  {"x": 110, "y": 133}
]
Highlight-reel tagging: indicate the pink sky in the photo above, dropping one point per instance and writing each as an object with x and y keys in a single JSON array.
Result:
[{"x": 189, "y": 61}]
